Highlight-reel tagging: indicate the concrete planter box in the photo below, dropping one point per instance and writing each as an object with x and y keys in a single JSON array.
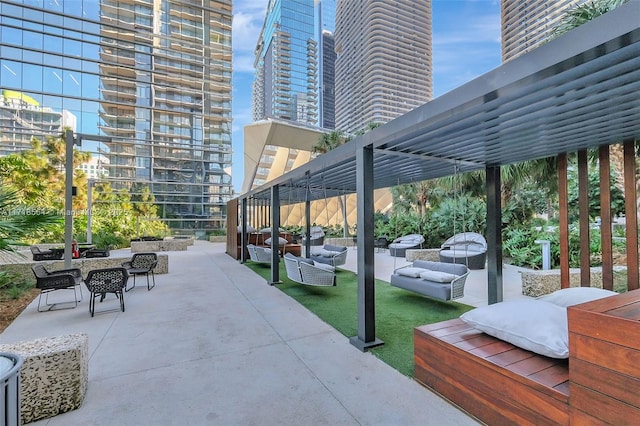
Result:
[
  {"x": 218, "y": 238},
  {"x": 164, "y": 245},
  {"x": 431, "y": 254},
  {"x": 85, "y": 265},
  {"x": 54, "y": 375},
  {"x": 539, "y": 283}
]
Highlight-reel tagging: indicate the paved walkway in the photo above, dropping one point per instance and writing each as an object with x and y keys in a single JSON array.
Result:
[{"x": 213, "y": 344}]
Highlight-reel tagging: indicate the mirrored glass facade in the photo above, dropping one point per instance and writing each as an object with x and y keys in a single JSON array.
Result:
[
  {"x": 152, "y": 76},
  {"x": 286, "y": 64}
]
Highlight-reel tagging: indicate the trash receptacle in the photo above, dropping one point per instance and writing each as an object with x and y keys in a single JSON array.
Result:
[{"x": 10, "y": 365}]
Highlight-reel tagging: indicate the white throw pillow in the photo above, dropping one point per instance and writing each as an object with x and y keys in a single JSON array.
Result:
[
  {"x": 281, "y": 241},
  {"x": 576, "y": 295},
  {"x": 410, "y": 272},
  {"x": 531, "y": 324},
  {"x": 437, "y": 276}
]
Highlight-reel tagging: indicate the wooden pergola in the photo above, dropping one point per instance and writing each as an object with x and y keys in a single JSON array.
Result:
[{"x": 578, "y": 92}]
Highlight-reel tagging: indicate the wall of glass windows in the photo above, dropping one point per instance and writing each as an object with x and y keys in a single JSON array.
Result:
[{"x": 153, "y": 77}]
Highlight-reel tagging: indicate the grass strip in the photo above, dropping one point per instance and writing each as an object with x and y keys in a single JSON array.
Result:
[{"x": 398, "y": 311}]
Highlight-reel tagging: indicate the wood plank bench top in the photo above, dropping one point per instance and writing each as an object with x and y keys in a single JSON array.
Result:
[{"x": 489, "y": 378}]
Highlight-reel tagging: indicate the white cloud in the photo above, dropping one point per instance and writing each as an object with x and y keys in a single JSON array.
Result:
[{"x": 248, "y": 17}]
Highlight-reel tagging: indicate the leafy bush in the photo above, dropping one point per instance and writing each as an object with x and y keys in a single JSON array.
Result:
[{"x": 12, "y": 285}]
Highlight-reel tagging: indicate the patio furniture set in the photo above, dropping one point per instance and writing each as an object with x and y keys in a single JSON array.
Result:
[
  {"x": 57, "y": 253},
  {"x": 99, "y": 282}
]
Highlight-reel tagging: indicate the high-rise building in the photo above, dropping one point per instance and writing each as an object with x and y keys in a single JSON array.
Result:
[
  {"x": 527, "y": 24},
  {"x": 384, "y": 65},
  {"x": 325, "y": 26},
  {"x": 286, "y": 64},
  {"x": 22, "y": 118},
  {"x": 151, "y": 77}
]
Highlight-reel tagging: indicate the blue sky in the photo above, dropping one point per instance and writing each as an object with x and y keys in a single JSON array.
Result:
[{"x": 466, "y": 44}]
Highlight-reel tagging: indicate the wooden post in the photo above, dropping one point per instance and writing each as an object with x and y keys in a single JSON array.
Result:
[{"x": 563, "y": 200}]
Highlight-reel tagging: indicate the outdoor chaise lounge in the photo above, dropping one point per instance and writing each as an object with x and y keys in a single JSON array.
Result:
[
  {"x": 330, "y": 254},
  {"x": 400, "y": 245},
  {"x": 468, "y": 248}
]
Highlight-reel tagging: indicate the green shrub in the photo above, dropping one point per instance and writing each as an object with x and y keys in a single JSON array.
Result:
[{"x": 12, "y": 285}]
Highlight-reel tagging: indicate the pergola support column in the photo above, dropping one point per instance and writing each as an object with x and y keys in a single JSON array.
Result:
[
  {"x": 275, "y": 235},
  {"x": 583, "y": 208},
  {"x": 366, "y": 337},
  {"x": 494, "y": 235},
  {"x": 243, "y": 228}
]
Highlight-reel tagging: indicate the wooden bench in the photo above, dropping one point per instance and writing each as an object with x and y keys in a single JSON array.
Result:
[
  {"x": 489, "y": 378},
  {"x": 502, "y": 384}
]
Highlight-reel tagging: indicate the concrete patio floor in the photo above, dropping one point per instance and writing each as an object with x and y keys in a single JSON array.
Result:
[{"x": 213, "y": 344}]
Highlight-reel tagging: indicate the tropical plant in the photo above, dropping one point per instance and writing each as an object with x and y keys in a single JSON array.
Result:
[
  {"x": 583, "y": 13},
  {"x": 19, "y": 222},
  {"x": 329, "y": 141}
]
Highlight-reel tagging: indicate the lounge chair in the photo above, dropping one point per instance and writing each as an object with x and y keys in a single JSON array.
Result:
[
  {"x": 306, "y": 271},
  {"x": 39, "y": 254},
  {"x": 316, "y": 235},
  {"x": 400, "y": 245},
  {"x": 63, "y": 279},
  {"x": 330, "y": 255},
  {"x": 468, "y": 248},
  {"x": 259, "y": 254}
]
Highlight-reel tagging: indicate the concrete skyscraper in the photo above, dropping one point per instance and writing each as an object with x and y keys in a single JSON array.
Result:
[
  {"x": 384, "y": 63},
  {"x": 527, "y": 24},
  {"x": 151, "y": 77}
]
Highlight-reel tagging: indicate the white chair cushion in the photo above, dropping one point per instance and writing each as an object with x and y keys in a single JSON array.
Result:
[
  {"x": 576, "y": 295},
  {"x": 437, "y": 276},
  {"x": 281, "y": 241},
  {"x": 530, "y": 324},
  {"x": 324, "y": 266},
  {"x": 410, "y": 271}
]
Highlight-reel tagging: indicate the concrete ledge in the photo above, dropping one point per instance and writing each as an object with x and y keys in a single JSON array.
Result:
[
  {"x": 85, "y": 265},
  {"x": 431, "y": 254},
  {"x": 164, "y": 245},
  {"x": 54, "y": 375},
  {"x": 217, "y": 238},
  {"x": 539, "y": 283}
]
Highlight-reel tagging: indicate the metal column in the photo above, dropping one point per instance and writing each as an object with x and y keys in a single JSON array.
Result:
[
  {"x": 275, "y": 235},
  {"x": 366, "y": 337},
  {"x": 494, "y": 235}
]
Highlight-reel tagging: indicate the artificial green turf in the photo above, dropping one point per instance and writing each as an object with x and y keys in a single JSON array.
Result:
[{"x": 398, "y": 311}]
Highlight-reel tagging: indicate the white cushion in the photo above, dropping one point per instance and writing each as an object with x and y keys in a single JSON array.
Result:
[
  {"x": 531, "y": 324},
  {"x": 281, "y": 241},
  {"x": 410, "y": 271},
  {"x": 576, "y": 295},
  {"x": 437, "y": 276},
  {"x": 324, "y": 252},
  {"x": 324, "y": 266}
]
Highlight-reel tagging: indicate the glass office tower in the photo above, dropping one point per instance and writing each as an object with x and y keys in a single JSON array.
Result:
[
  {"x": 286, "y": 64},
  {"x": 153, "y": 77}
]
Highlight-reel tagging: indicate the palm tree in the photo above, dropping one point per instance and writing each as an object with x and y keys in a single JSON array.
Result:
[
  {"x": 585, "y": 12},
  {"x": 18, "y": 222},
  {"x": 329, "y": 141},
  {"x": 573, "y": 19}
]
